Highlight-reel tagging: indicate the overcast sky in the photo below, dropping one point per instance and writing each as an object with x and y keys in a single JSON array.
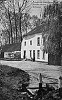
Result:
[{"x": 37, "y": 9}]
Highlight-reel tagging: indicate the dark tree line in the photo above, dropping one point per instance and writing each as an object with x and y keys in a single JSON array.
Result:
[{"x": 53, "y": 35}]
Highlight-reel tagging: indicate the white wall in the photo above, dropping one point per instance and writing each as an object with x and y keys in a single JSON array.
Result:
[
  {"x": 32, "y": 47},
  {"x": 6, "y": 55}
]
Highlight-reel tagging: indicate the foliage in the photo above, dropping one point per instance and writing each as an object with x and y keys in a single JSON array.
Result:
[
  {"x": 52, "y": 21},
  {"x": 26, "y": 22},
  {"x": 35, "y": 21}
]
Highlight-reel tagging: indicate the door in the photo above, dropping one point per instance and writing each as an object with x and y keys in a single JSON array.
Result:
[
  {"x": 33, "y": 55},
  {"x": 2, "y": 55},
  {"x": 24, "y": 54}
]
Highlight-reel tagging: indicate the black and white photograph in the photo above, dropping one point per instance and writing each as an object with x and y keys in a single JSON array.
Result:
[{"x": 30, "y": 49}]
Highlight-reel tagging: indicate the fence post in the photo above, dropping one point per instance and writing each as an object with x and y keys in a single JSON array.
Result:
[
  {"x": 60, "y": 89},
  {"x": 40, "y": 84}
]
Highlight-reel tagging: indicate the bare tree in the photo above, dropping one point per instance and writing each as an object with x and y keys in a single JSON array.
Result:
[
  {"x": 21, "y": 9},
  {"x": 14, "y": 18},
  {"x": 10, "y": 35},
  {"x": 15, "y": 39},
  {"x": 4, "y": 21}
]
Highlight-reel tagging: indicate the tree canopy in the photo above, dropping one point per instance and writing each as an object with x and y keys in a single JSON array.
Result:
[
  {"x": 16, "y": 20},
  {"x": 52, "y": 15}
]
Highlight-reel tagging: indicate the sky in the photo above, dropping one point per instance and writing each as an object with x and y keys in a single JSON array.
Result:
[{"x": 38, "y": 8}]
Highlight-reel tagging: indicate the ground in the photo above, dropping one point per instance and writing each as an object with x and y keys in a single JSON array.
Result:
[
  {"x": 49, "y": 73},
  {"x": 11, "y": 80}
]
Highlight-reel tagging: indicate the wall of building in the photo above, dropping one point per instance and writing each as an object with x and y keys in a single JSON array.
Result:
[
  {"x": 6, "y": 55},
  {"x": 32, "y": 47}
]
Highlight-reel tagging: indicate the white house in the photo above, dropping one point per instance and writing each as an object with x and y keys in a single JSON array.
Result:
[{"x": 32, "y": 46}]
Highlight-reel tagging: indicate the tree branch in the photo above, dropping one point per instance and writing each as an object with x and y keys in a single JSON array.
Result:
[{"x": 23, "y": 5}]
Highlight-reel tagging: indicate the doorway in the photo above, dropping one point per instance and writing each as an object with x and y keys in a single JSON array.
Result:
[
  {"x": 2, "y": 54},
  {"x": 24, "y": 54},
  {"x": 33, "y": 55}
]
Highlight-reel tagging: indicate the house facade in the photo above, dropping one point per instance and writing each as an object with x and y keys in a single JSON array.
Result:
[{"x": 32, "y": 46}]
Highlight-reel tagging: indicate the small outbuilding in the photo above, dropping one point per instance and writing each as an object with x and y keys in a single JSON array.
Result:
[{"x": 8, "y": 50}]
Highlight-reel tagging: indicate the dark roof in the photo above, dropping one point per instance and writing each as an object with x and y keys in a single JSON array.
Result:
[
  {"x": 11, "y": 47},
  {"x": 39, "y": 29},
  {"x": 33, "y": 31}
]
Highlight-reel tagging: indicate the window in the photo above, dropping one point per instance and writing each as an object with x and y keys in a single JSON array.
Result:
[
  {"x": 30, "y": 53},
  {"x": 25, "y": 43},
  {"x": 31, "y": 42},
  {"x": 38, "y": 54},
  {"x": 38, "y": 41},
  {"x": 43, "y": 54}
]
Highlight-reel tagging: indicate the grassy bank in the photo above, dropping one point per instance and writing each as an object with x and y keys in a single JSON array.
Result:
[{"x": 10, "y": 80}]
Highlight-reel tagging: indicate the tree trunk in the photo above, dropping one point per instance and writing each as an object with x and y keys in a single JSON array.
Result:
[
  {"x": 15, "y": 24},
  {"x": 20, "y": 16},
  {"x": 16, "y": 28},
  {"x": 11, "y": 40},
  {"x": 9, "y": 37},
  {"x": 26, "y": 27},
  {"x": 20, "y": 33}
]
